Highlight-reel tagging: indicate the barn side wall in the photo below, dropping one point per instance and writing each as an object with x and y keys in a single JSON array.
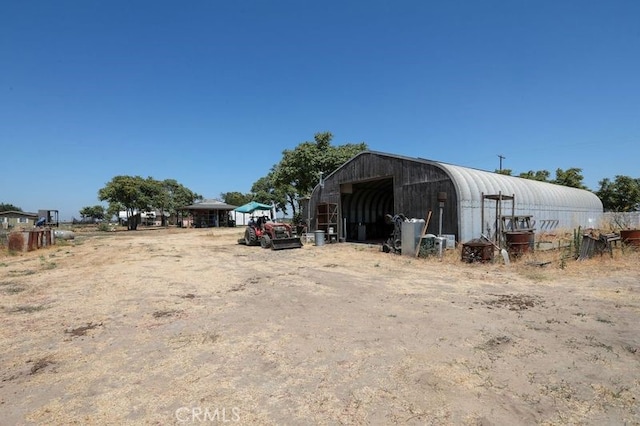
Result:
[{"x": 415, "y": 191}]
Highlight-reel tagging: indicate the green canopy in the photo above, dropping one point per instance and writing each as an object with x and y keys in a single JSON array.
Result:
[{"x": 253, "y": 206}]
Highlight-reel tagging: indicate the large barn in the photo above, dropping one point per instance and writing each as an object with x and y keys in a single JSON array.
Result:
[{"x": 354, "y": 200}]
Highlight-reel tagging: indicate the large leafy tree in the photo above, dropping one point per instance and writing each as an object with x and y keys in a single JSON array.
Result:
[
  {"x": 170, "y": 196},
  {"x": 265, "y": 191},
  {"x": 96, "y": 212},
  {"x": 236, "y": 198},
  {"x": 113, "y": 210},
  {"x": 136, "y": 194},
  {"x": 5, "y": 207},
  {"x": 133, "y": 193},
  {"x": 620, "y": 195},
  {"x": 300, "y": 169},
  {"x": 571, "y": 177}
]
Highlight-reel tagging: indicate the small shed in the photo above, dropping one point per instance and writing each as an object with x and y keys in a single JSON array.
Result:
[
  {"x": 358, "y": 196},
  {"x": 16, "y": 219},
  {"x": 49, "y": 217},
  {"x": 208, "y": 214}
]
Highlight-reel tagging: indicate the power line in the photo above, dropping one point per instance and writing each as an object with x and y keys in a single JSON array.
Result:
[{"x": 501, "y": 157}]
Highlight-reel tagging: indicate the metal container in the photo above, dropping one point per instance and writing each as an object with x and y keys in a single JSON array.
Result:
[
  {"x": 39, "y": 238},
  {"x": 451, "y": 241},
  {"x": 630, "y": 237},
  {"x": 441, "y": 244},
  {"x": 410, "y": 237},
  {"x": 319, "y": 237},
  {"x": 520, "y": 242}
]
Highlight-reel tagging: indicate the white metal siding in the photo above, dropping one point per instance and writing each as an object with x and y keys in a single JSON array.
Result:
[{"x": 571, "y": 207}]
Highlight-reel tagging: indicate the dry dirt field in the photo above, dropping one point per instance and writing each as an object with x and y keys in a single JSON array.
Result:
[{"x": 187, "y": 327}]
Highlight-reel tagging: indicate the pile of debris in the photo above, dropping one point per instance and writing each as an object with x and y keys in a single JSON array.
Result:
[{"x": 590, "y": 245}]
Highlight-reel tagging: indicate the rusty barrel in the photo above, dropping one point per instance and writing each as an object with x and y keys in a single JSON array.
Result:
[
  {"x": 520, "y": 242},
  {"x": 630, "y": 237}
]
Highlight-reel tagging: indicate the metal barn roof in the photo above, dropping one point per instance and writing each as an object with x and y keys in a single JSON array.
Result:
[
  {"x": 471, "y": 183},
  {"x": 209, "y": 204},
  {"x": 552, "y": 206}
]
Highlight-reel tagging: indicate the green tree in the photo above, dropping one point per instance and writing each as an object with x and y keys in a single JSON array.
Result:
[
  {"x": 506, "y": 172},
  {"x": 134, "y": 193},
  {"x": 264, "y": 191},
  {"x": 96, "y": 212},
  {"x": 236, "y": 198},
  {"x": 113, "y": 210},
  {"x": 300, "y": 169},
  {"x": 571, "y": 177},
  {"x": 619, "y": 195},
  {"x": 5, "y": 207},
  {"x": 170, "y": 196},
  {"x": 539, "y": 175}
]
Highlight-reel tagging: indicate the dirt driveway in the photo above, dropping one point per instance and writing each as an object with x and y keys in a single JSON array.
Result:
[{"x": 186, "y": 326}]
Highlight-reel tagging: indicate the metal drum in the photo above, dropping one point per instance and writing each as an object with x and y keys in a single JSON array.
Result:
[
  {"x": 630, "y": 237},
  {"x": 319, "y": 237},
  {"x": 519, "y": 243}
]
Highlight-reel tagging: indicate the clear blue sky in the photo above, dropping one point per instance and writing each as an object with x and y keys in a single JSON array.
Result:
[{"x": 211, "y": 92}]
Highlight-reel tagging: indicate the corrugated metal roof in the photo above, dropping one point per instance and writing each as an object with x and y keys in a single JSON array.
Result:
[
  {"x": 17, "y": 213},
  {"x": 471, "y": 183},
  {"x": 210, "y": 204},
  {"x": 552, "y": 206}
]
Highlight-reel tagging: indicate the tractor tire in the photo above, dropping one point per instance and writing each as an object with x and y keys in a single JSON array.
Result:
[
  {"x": 250, "y": 237},
  {"x": 265, "y": 241}
]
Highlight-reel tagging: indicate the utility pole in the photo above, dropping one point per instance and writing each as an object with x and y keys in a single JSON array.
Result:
[{"x": 501, "y": 157}]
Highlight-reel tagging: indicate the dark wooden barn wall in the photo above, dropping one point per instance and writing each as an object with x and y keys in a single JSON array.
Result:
[{"x": 415, "y": 188}]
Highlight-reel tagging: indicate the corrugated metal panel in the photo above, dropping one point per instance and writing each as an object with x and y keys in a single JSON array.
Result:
[
  {"x": 417, "y": 182},
  {"x": 570, "y": 207}
]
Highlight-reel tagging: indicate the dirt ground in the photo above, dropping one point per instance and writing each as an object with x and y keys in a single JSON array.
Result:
[{"x": 185, "y": 326}]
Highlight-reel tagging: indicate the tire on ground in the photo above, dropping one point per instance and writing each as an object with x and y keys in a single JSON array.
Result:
[
  {"x": 250, "y": 236},
  {"x": 265, "y": 241}
]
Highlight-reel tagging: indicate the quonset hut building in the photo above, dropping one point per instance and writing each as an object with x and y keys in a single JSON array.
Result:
[{"x": 354, "y": 200}]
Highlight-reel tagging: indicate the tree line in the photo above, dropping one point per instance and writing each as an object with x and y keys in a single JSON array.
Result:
[
  {"x": 135, "y": 194},
  {"x": 294, "y": 176},
  {"x": 622, "y": 194},
  {"x": 297, "y": 173}
]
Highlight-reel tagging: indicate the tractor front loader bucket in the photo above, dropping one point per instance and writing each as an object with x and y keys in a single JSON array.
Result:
[{"x": 286, "y": 243}]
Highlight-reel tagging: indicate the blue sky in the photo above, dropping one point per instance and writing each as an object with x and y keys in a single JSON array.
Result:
[{"x": 211, "y": 92}]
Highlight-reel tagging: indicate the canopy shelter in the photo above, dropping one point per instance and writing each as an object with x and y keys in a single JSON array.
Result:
[
  {"x": 244, "y": 213},
  {"x": 252, "y": 207}
]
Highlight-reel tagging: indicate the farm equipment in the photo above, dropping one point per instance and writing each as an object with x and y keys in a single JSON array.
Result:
[
  {"x": 393, "y": 244},
  {"x": 268, "y": 234}
]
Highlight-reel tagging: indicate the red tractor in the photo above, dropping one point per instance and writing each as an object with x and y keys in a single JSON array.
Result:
[{"x": 277, "y": 236}]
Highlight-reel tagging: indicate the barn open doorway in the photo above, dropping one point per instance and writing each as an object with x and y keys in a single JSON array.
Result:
[{"x": 364, "y": 206}]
